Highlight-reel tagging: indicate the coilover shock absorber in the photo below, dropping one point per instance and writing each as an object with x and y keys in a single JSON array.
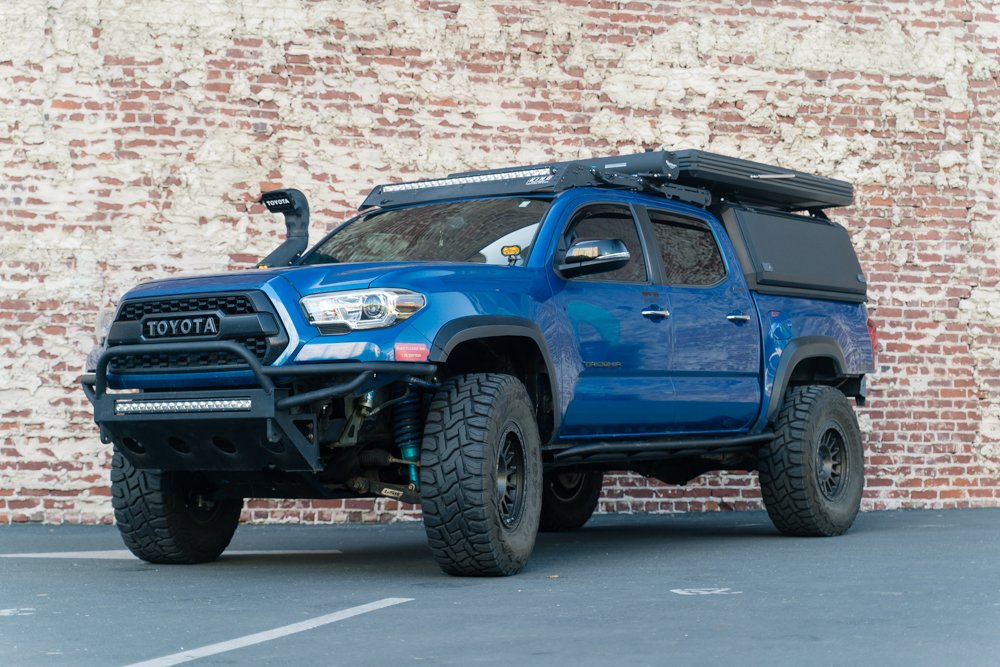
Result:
[{"x": 408, "y": 431}]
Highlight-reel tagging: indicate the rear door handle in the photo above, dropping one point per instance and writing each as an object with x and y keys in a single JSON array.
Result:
[
  {"x": 655, "y": 313},
  {"x": 739, "y": 318}
]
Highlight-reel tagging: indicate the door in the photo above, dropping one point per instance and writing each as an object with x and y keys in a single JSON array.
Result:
[
  {"x": 714, "y": 355},
  {"x": 621, "y": 335}
]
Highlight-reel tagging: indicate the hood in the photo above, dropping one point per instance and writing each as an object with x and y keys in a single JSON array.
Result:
[
  {"x": 339, "y": 277},
  {"x": 305, "y": 279},
  {"x": 221, "y": 282},
  {"x": 423, "y": 276},
  {"x": 308, "y": 280}
]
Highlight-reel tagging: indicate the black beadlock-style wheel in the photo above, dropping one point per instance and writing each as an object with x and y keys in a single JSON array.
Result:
[
  {"x": 481, "y": 475},
  {"x": 166, "y": 517},
  {"x": 569, "y": 499},
  {"x": 812, "y": 474}
]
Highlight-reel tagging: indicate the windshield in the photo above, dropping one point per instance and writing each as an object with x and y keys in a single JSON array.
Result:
[{"x": 484, "y": 231}]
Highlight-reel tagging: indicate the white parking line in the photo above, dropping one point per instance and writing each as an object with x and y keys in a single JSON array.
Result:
[
  {"x": 705, "y": 591},
  {"x": 125, "y": 554},
  {"x": 268, "y": 635},
  {"x": 17, "y": 611}
]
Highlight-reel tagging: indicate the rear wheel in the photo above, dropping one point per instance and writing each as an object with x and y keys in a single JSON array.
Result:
[
  {"x": 812, "y": 474},
  {"x": 170, "y": 517},
  {"x": 481, "y": 475},
  {"x": 569, "y": 499}
]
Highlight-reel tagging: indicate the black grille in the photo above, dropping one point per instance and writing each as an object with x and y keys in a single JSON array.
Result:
[
  {"x": 137, "y": 363},
  {"x": 265, "y": 346},
  {"x": 236, "y": 304}
]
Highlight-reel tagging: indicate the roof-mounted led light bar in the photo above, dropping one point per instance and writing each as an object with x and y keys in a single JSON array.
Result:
[
  {"x": 519, "y": 180},
  {"x": 465, "y": 180}
]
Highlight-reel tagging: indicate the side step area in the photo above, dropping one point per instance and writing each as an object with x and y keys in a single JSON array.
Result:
[{"x": 616, "y": 451}]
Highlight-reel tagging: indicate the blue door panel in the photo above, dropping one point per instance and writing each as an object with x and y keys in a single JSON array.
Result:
[
  {"x": 623, "y": 386},
  {"x": 714, "y": 362},
  {"x": 710, "y": 404},
  {"x": 607, "y": 404}
]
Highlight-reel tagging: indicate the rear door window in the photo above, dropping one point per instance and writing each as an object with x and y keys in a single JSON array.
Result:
[{"x": 688, "y": 249}]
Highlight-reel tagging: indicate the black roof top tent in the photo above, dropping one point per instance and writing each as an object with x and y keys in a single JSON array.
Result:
[{"x": 693, "y": 176}]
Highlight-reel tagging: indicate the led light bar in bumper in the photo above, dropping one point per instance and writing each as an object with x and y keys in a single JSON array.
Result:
[{"x": 138, "y": 407}]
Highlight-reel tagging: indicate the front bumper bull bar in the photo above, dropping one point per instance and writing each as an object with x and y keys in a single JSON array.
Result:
[{"x": 255, "y": 428}]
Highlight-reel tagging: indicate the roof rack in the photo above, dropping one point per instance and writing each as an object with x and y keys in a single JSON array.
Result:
[{"x": 693, "y": 176}]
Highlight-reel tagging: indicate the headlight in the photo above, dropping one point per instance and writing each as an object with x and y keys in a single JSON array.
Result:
[{"x": 363, "y": 309}]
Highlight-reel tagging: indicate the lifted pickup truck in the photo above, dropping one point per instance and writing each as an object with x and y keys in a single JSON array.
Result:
[{"x": 488, "y": 344}]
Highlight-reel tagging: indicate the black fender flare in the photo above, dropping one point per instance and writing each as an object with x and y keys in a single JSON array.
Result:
[
  {"x": 473, "y": 327},
  {"x": 800, "y": 349}
]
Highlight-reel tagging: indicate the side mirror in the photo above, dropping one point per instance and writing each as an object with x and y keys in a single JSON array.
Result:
[{"x": 585, "y": 258}]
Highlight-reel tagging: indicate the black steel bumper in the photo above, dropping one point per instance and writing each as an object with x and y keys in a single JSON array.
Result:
[{"x": 256, "y": 428}]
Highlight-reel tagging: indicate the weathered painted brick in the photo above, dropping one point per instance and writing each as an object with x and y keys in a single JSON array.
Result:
[{"x": 134, "y": 139}]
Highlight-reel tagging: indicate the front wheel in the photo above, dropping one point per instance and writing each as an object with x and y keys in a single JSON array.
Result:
[
  {"x": 481, "y": 475},
  {"x": 170, "y": 517},
  {"x": 812, "y": 473}
]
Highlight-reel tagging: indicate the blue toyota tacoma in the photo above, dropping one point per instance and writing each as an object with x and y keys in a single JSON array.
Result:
[{"x": 487, "y": 345}]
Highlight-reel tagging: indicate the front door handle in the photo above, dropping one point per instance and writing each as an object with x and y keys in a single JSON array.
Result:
[
  {"x": 739, "y": 318},
  {"x": 655, "y": 313}
]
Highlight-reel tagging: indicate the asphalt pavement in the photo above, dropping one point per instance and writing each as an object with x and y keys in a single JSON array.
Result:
[{"x": 901, "y": 588}]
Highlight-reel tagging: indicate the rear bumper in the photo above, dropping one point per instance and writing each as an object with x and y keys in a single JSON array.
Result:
[{"x": 264, "y": 427}]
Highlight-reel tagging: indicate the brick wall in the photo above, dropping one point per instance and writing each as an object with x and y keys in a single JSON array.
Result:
[{"x": 134, "y": 137}]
